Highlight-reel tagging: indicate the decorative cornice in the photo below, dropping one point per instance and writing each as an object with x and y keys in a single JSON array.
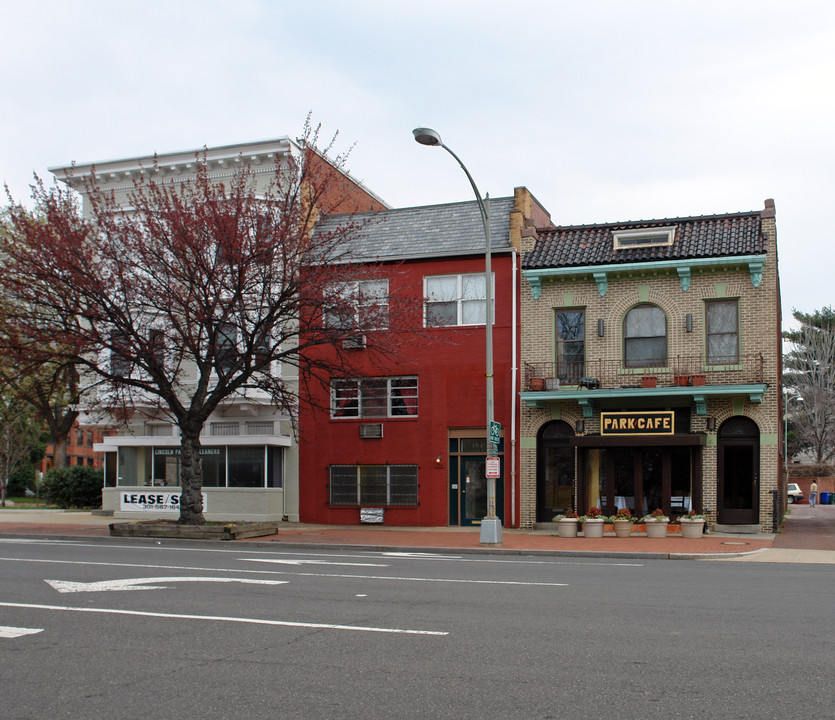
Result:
[
  {"x": 684, "y": 268},
  {"x": 587, "y": 399}
]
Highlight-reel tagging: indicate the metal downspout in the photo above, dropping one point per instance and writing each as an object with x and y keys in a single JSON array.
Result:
[{"x": 513, "y": 399}]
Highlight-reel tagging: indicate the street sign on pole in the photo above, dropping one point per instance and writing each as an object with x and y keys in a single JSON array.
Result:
[
  {"x": 495, "y": 432},
  {"x": 493, "y": 468}
]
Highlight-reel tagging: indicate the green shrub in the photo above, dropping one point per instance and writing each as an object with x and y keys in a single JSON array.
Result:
[{"x": 78, "y": 486}]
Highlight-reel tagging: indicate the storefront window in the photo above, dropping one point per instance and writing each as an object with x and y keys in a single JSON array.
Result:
[
  {"x": 214, "y": 467},
  {"x": 110, "y": 469},
  {"x": 246, "y": 467}
]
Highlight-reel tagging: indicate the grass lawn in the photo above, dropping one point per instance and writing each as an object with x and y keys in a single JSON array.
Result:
[{"x": 27, "y": 503}]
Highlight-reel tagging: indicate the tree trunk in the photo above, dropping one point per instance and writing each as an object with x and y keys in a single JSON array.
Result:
[
  {"x": 59, "y": 451},
  {"x": 191, "y": 479}
]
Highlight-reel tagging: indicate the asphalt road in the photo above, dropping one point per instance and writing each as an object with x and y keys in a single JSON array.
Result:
[{"x": 208, "y": 632}]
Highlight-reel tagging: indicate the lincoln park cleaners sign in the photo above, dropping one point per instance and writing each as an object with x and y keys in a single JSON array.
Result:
[{"x": 659, "y": 422}]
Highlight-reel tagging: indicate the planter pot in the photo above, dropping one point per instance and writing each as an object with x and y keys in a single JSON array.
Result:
[
  {"x": 682, "y": 380},
  {"x": 552, "y": 383},
  {"x": 692, "y": 528},
  {"x": 537, "y": 384},
  {"x": 649, "y": 381},
  {"x": 567, "y": 527},
  {"x": 593, "y": 528},
  {"x": 698, "y": 379},
  {"x": 623, "y": 528},
  {"x": 656, "y": 529}
]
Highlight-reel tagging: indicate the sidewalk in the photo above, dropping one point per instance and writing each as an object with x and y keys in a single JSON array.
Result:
[
  {"x": 808, "y": 536},
  {"x": 69, "y": 524}
]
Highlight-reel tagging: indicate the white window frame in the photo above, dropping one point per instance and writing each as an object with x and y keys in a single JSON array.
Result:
[
  {"x": 643, "y": 237},
  {"x": 459, "y": 299},
  {"x": 352, "y": 290}
]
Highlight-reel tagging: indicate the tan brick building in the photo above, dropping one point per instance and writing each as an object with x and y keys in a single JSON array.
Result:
[{"x": 651, "y": 356}]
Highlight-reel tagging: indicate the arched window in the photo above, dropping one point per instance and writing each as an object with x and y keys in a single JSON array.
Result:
[{"x": 645, "y": 337}]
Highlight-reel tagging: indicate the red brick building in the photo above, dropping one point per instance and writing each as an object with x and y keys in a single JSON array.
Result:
[
  {"x": 80, "y": 450},
  {"x": 407, "y": 433}
]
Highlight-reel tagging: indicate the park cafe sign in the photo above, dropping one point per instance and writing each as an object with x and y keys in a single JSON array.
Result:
[{"x": 656, "y": 422}]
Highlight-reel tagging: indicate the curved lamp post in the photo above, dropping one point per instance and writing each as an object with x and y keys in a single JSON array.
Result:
[{"x": 491, "y": 527}]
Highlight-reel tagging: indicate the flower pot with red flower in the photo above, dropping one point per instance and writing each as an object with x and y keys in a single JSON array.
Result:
[
  {"x": 622, "y": 521},
  {"x": 692, "y": 525},
  {"x": 656, "y": 523},
  {"x": 567, "y": 524},
  {"x": 593, "y": 522}
]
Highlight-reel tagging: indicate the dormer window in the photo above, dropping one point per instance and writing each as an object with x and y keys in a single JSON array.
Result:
[{"x": 643, "y": 237}]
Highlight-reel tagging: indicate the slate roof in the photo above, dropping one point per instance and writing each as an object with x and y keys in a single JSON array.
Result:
[
  {"x": 426, "y": 231},
  {"x": 695, "y": 237}
]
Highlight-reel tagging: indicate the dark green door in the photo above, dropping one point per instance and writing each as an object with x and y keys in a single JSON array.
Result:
[{"x": 468, "y": 486}]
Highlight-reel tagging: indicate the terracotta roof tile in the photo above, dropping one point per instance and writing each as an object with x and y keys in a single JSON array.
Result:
[{"x": 695, "y": 237}]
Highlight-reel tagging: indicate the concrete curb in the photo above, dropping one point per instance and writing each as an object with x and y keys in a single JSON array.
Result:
[{"x": 425, "y": 550}]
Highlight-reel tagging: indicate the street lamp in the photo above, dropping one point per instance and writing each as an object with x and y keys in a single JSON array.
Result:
[{"x": 491, "y": 527}]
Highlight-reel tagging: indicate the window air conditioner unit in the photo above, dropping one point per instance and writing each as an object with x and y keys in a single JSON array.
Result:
[
  {"x": 354, "y": 342},
  {"x": 371, "y": 431}
]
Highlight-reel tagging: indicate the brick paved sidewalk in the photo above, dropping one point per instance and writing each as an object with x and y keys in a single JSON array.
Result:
[{"x": 57, "y": 523}]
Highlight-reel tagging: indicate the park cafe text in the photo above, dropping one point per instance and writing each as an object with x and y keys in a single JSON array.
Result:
[{"x": 660, "y": 422}]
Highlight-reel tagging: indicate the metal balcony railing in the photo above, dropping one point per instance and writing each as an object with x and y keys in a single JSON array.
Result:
[{"x": 681, "y": 370}]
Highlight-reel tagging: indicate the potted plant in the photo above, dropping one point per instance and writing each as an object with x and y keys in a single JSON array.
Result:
[
  {"x": 622, "y": 521},
  {"x": 567, "y": 523},
  {"x": 656, "y": 523},
  {"x": 692, "y": 525},
  {"x": 537, "y": 384},
  {"x": 593, "y": 523},
  {"x": 649, "y": 381},
  {"x": 698, "y": 379}
]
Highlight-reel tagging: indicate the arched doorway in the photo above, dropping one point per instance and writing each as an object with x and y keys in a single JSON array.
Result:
[
  {"x": 554, "y": 470},
  {"x": 738, "y": 472}
]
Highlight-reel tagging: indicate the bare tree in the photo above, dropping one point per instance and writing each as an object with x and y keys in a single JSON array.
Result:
[
  {"x": 809, "y": 375},
  {"x": 193, "y": 296}
]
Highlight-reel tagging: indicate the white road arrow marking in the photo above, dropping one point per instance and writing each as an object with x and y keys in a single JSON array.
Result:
[
  {"x": 292, "y": 561},
  {"x": 13, "y": 632},
  {"x": 421, "y": 555},
  {"x": 218, "y": 618},
  {"x": 65, "y": 586}
]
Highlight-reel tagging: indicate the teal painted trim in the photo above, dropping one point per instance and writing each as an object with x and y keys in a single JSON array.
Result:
[
  {"x": 602, "y": 281},
  {"x": 699, "y": 395},
  {"x": 755, "y": 264},
  {"x": 536, "y": 287},
  {"x": 710, "y": 440},
  {"x": 527, "y": 443},
  {"x": 769, "y": 439},
  {"x": 684, "y": 277}
]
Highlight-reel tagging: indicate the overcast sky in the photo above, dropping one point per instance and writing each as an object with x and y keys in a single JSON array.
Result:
[{"x": 606, "y": 111}]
